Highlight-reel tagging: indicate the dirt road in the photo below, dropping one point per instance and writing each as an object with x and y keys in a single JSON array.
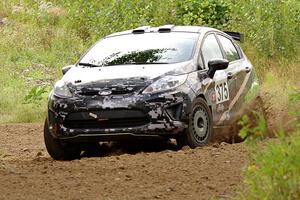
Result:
[{"x": 27, "y": 171}]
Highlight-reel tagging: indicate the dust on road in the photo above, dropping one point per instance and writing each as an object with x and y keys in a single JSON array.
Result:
[{"x": 27, "y": 171}]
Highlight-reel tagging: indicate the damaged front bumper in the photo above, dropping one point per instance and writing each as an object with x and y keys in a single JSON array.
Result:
[{"x": 105, "y": 118}]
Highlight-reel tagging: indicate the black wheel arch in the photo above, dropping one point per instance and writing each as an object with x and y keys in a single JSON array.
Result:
[{"x": 201, "y": 95}]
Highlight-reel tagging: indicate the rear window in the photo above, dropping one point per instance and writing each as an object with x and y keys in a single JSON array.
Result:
[{"x": 148, "y": 48}]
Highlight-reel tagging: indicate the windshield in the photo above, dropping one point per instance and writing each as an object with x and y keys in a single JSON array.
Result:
[{"x": 149, "y": 48}]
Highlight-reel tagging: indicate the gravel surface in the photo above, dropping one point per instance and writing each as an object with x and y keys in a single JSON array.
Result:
[{"x": 149, "y": 171}]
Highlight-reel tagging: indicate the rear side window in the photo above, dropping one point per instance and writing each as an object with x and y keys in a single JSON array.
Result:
[
  {"x": 210, "y": 49},
  {"x": 229, "y": 49}
]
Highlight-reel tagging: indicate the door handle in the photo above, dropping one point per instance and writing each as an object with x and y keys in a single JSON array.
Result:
[
  {"x": 229, "y": 75},
  {"x": 247, "y": 69}
]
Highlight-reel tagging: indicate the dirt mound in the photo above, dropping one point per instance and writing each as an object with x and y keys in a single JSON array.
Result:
[{"x": 151, "y": 171}]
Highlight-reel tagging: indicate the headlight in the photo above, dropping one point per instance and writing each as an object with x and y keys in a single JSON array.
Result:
[
  {"x": 165, "y": 83},
  {"x": 62, "y": 90}
]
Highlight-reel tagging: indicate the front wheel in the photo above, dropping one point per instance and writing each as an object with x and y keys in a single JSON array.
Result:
[
  {"x": 200, "y": 130},
  {"x": 58, "y": 150}
]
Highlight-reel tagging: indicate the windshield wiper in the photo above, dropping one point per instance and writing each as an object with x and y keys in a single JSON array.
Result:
[
  {"x": 88, "y": 65},
  {"x": 132, "y": 63},
  {"x": 146, "y": 63}
]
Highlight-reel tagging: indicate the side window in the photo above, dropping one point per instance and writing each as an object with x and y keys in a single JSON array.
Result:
[
  {"x": 229, "y": 49},
  {"x": 210, "y": 49}
]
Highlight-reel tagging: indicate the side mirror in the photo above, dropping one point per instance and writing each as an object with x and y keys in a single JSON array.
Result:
[
  {"x": 66, "y": 68},
  {"x": 216, "y": 64}
]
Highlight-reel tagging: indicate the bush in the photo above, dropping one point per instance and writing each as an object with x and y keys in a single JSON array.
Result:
[
  {"x": 212, "y": 13},
  {"x": 272, "y": 26},
  {"x": 273, "y": 173},
  {"x": 273, "y": 169},
  {"x": 35, "y": 95},
  {"x": 95, "y": 19}
]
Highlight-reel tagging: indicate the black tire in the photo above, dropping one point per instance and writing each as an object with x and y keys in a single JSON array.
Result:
[
  {"x": 57, "y": 150},
  {"x": 200, "y": 130}
]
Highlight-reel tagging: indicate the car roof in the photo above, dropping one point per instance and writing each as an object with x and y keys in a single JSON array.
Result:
[{"x": 164, "y": 29}]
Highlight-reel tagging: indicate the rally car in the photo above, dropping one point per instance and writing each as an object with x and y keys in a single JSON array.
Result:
[{"x": 183, "y": 82}]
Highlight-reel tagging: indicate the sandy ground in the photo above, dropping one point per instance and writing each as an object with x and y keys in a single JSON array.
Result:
[{"x": 27, "y": 171}]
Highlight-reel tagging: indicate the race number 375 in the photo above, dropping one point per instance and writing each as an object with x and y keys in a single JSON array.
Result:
[{"x": 222, "y": 92}]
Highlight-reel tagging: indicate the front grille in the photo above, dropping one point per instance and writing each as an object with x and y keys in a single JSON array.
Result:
[
  {"x": 113, "y": 123},
  {"x": 106, "y": 119}
]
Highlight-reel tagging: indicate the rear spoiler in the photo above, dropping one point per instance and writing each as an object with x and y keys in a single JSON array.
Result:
[{"x": 235, "y": 35}]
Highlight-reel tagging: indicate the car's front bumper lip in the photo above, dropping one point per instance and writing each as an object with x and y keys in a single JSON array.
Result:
[
  {"x": 108, "y": 137},
  {"x": 149, "y": 129}
]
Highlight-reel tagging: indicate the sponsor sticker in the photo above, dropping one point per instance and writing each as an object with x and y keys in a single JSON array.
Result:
[
  {"x": 222, "y": 91},
  {"x": 93, "y": 115}
]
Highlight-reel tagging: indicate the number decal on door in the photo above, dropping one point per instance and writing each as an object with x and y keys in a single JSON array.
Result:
[{"x": 222, "y": 92}]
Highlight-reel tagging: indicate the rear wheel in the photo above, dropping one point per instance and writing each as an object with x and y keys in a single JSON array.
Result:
[
  {"x": 200, "y": 130},
  {"x": 57, "y": 150}
]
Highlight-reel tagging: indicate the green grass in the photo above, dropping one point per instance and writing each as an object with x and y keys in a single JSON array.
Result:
[
  {"x": 31, "y": 55},
  {"x": 273, "y": 170},
  {"x": 273, "y": 165}
]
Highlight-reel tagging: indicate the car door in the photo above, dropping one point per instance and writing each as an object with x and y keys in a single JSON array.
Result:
[
  {"x": 234, "y": 76},
  {"x": 222, "y": 86}
]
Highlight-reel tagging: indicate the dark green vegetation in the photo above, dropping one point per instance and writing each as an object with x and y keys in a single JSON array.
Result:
[{"x": 39, "y": 37}]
